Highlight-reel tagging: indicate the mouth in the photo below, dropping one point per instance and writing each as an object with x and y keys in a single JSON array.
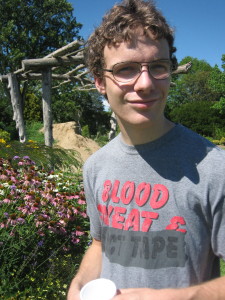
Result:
[{"x": 142, "y": 103}]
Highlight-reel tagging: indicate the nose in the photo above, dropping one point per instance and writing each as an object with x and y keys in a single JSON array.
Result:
[{"x": 145, "y": 81}]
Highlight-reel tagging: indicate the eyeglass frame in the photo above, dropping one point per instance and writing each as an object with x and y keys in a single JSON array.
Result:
[{"x": 141, "y": 64}]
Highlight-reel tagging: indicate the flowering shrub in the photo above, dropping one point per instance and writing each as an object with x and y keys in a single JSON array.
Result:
[
  {"x": 4, "y": 136},
  {"x": 43, "y": 230},
  {"x": 44, "y": 156}
]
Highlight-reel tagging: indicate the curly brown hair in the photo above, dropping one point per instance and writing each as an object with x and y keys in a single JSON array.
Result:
[{"x": 118, "y": 26}]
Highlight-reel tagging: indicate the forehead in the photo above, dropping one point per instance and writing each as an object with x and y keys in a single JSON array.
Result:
[{"x": 140, "y": 49}]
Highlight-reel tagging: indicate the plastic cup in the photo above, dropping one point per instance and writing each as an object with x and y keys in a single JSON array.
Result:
[{"x": 98, "y": 289}]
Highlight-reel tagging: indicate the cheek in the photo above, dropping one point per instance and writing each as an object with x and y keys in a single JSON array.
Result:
[
  {"x": 165, "y": 87},
  {"x": 115, "y": 93}
]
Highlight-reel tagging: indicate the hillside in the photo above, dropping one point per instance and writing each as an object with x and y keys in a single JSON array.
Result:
[{"x": 65, "y": 135}]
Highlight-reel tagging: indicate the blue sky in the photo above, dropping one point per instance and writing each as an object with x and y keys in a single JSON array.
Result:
[{"x": 199, "y": 24}]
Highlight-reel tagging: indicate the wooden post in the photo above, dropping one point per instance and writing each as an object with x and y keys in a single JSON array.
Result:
[
  {"x": 46, "y": 105},
  {"x": 16, "y": 100},
  {"x": 113, "y": 124}
]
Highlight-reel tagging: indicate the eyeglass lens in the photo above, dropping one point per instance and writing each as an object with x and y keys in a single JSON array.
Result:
[{"x": 127, "y": 71}]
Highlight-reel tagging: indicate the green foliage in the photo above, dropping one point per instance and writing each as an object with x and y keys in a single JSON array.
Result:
[
  {"x": 85, "y": 131},
  {"x": 83, "y": 107},
  {"x": 33, "y": 108},
  {"x": 223, "y": 62},
  {"x": 32, "y": 29},
  {"x": 4, "y": 135},
  {"x": 101, "y": 140},
  {"x": 44, "y": 230},
  {"x": 222, "y": 267},
  {"x": 44, "y": 156},
  {"x": 197, "y": 100},
  {"x": 220, "y": 141},
  {"x": 33, "y": 132},
  {"x": 198, "y": 116},
  {"x": 6, "y": 115},
  {"x": 220, "y": 106},
  {"x": 195, "y": 85}
]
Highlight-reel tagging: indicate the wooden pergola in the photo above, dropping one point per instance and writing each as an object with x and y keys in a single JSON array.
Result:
[{"x": 49, "y": 68}]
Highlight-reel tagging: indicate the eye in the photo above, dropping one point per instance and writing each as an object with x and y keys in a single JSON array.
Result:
[
  {"x": 159, "y": 67},
  {"x": 126, "y": 69}
]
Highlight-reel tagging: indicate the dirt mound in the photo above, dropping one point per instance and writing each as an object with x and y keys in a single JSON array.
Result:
[{"x": 65, "y": 135}]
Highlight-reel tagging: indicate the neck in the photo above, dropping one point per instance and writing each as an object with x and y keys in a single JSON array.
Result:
[{"x": 137, "y": 135}]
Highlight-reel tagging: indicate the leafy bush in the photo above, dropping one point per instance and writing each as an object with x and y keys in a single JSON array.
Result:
[
  {"x": 198, "y": 116},
  {"x": 85, "y": 131},
  {"x": 4, "y": 136},
  {"x": 33, "y": 108},
  {"x": 44, "y": 230}
]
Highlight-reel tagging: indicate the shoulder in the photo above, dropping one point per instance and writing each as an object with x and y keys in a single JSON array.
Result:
[
  {"x": 103, "y": 154},
  {"x": 196, "y": 145}
]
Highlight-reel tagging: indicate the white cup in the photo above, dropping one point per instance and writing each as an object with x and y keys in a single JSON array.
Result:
[{"x": 98, "y": 289}]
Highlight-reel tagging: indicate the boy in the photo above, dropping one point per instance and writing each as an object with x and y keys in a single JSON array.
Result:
[{"x": 155, "y": 194}]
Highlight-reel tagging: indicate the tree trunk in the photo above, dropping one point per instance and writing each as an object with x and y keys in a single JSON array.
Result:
[
  {"x": 16, "y": 100},
  {"x": 46, "y": 104}
]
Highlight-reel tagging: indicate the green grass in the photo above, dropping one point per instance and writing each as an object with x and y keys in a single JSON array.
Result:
[{"x": 33, "y": 132}]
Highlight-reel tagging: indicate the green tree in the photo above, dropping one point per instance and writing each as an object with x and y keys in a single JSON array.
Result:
[
  {"x": 200, "y": 116},
  {"x": 194, "y": 86},
  {"x": 32, "y": 29},
  {"x": 217, "y": 79},
  {"x": 6, "y": 115},
  {"x": 33, "y": 108},
  {"x": 85, "y": 107}
]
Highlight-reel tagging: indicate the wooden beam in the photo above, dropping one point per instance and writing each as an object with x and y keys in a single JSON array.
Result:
[
  {"x": 41, "y": 63},
  {"x": 46, "y": 106},
  {"x": 64, "y": 50},
  {"x": 183, "y": 69}
]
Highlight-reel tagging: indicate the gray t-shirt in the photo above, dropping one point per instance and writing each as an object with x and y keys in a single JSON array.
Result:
[{"x": 159, "y": 210}]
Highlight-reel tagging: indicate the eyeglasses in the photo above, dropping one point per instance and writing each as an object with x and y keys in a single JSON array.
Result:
[{"x": 127, "y": 71}]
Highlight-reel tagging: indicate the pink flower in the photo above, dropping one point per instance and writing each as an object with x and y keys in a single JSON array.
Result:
[
  {"x": 79, "y": 233},
  {"x": 6, "y": 200},
  {"x": 26, "y": 183},
  {"x": 81, "y": 202},
  {"x": 28, "y": 197},
  {"x": 83, "y": 214},
  {"x": 13, "y": 178},
  {"x": 3, "y": 177},
  {"x": 75, "y": 240}
]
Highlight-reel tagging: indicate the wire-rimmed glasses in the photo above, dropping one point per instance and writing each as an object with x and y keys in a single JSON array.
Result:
[{"x": 128, "y": 71}]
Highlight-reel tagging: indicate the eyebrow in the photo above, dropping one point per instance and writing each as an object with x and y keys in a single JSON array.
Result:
[{"x": 132, "y": 61}]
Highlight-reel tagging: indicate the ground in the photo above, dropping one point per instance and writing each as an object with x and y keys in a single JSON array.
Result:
[{"x": 65, "y": 135}]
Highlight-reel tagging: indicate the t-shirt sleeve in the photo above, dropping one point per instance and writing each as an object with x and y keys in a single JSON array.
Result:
[{"x": 92, "y": 211}]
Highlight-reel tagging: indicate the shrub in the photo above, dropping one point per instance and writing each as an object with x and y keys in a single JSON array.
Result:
[
  {"x": 85, "y": 131},
  {"x": 44, "y": 156},
  {"x": 33, "y": 108},
  {"x": 198, "y": 116},
  {"x": 4, "y": 135},
  {"x": 44, "y": 230}
]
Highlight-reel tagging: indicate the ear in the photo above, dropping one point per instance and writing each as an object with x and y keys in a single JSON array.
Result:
[{"x": 100, "y": 85}]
